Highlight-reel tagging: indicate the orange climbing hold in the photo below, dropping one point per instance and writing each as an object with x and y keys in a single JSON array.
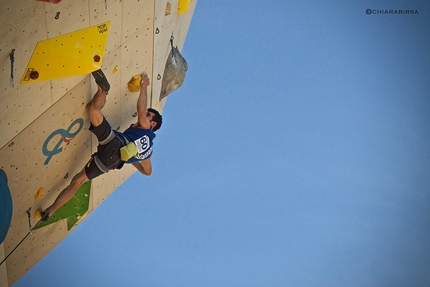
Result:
[
  {"x": 38, "y": 213},
  {"x": 39, "y": 194}
]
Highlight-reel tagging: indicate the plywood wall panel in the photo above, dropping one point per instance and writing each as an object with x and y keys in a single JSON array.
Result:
[
  {"x": 59, "y": 87},
  {"x": 20, "y": 104},
  {"x": 65, "y": 17}
]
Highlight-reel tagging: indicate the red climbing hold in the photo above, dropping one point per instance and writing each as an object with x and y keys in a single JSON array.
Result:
[
  {"x": 34, "y": 75},
  {"x": 96, "y": 58}
]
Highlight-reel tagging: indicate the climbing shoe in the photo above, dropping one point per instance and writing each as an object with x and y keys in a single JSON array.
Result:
[
  {"x": 101, "y": 80},
  {"x": 45, "y": 216}
]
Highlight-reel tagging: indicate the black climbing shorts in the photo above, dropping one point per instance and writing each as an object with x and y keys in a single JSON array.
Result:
[{"x": 108, "y": 156}]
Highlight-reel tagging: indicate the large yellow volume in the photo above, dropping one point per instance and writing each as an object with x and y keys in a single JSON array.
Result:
[{"x": 77, "y": 53}]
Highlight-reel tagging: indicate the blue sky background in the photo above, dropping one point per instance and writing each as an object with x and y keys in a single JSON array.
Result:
[{"x": 297, "y": 153}]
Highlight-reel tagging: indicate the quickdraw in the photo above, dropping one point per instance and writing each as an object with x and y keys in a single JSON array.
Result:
[{"x": 12, "y": 60}]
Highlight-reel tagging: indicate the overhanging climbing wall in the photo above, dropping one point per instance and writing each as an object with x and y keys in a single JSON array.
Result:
[{"x": 45, "y": 138}]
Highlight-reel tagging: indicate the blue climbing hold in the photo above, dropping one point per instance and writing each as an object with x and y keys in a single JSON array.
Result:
[{"x": 5, "y": 206}]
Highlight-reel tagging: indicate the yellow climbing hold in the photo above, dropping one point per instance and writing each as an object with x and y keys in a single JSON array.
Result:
[
  {"x": 115, "y": 69},
  {"x": 134, "y": 83},
  {"x": 39, "y": 193},
  {"x": 77, "y": 53},
  {"x": 38, "y": 213},
  {"x": 183, "y": 6}
]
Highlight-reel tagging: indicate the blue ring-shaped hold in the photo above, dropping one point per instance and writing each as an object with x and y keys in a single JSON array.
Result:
[{"x": 5, "y": 206}]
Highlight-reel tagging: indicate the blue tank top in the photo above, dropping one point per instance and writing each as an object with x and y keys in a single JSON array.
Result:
[{"x": 142, "y": 138}]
